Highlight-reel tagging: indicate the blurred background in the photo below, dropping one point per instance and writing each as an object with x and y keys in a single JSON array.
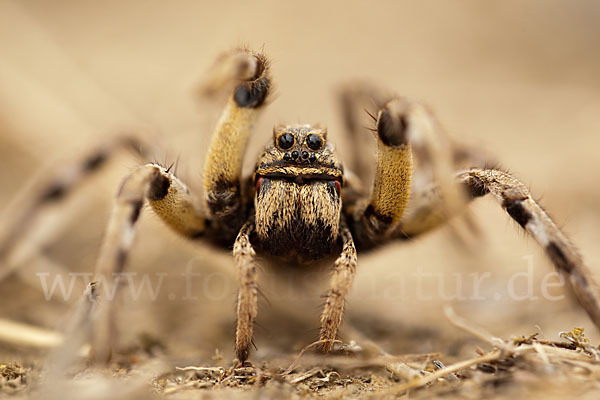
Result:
[{"x": 517, "y": 78}]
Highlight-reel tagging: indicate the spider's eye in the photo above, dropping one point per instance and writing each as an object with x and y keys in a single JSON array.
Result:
[
  {"x": 286, "y": 141},
  {"x": 314, "y": 142}
]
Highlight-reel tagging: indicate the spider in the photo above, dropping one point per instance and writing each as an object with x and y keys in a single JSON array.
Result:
[{"x": 300, "y": 206}]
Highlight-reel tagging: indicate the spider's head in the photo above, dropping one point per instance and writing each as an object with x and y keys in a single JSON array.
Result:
[
  {"x": 300, "y": 153},
  {"x": 298, "y": 181}
]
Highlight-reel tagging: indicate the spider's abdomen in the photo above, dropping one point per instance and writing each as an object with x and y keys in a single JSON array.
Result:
[{"x": 297, "y": 221}]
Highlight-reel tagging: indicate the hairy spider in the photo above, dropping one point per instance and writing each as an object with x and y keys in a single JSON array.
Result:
[{"x": 301, "y": 206}]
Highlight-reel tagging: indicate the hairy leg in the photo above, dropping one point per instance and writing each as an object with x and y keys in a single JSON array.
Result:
[
  {"x": 19, "y": 239},
  {"x": 222, "y": 170},
  {"x": 339, "y": 286},
  {"x": 373, "y": 220},
  {"x": 437, "y": 196},
  {"x": 515, "y": 198},
  {"x": 172, "y": 202},
  {"x": 434, "y": 193},
  {"x": 441, "y": 196},
  {"x": 247, "y": 301}
]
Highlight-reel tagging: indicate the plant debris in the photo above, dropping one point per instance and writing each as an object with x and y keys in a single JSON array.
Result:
[
  {"x": 527, "y": 363},
  {"x": 13, "y": 378}
]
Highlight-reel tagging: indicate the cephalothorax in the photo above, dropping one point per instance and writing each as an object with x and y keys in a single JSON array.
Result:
[
  {"x": 298, "y": 200},
  {"x": 300, "y": 205}
]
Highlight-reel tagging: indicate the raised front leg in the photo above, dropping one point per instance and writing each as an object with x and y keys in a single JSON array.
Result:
[
  {"x": 224, "y": 197},
  {"x": 374, "y": 220},
  {"x": 435, "y": 195}
]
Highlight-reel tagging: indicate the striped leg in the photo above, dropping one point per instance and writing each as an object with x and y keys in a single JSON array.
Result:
[
  {"x": 18, "y": 239},
  {"x": 339, "y": 286},
  {"x": 518, "y": 203},
  {"x": 223, "y": 165},
  {"x": 172, "y": 202},
  {"x": 247, "y": 301}
]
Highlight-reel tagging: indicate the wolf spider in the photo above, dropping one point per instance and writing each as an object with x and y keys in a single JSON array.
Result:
[{"x": 300, "y": 205}]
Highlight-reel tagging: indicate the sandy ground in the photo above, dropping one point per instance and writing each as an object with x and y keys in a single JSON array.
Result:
[{"x": 519, "y": 79}]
